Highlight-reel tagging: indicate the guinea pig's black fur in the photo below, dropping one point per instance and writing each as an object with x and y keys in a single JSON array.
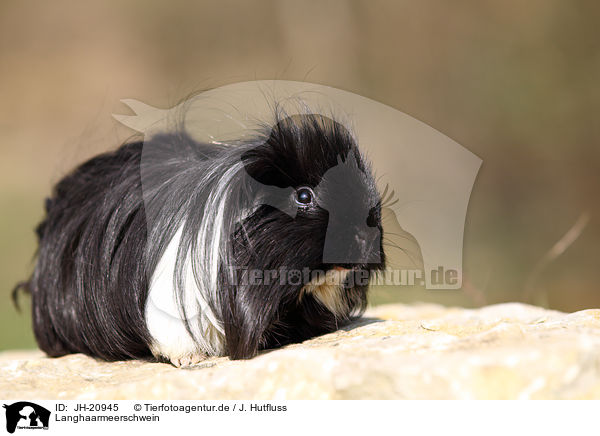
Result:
[{"x": 168, "y": 219}]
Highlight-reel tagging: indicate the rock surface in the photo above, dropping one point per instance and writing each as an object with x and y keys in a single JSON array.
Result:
[{"x": 396, "y": 351}]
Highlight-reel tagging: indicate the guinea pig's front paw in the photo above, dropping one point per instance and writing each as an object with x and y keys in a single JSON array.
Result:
[{"x": 187, "y": 360}]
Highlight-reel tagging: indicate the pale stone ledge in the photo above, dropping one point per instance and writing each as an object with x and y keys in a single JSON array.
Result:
[{"x": 396, "y": 351}]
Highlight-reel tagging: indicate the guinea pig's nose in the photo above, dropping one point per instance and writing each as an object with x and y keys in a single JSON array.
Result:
[
  {"x": 368, "y": 243},
  {"x": 361, "y": 240},
  {"x": 352, "y": 245}
]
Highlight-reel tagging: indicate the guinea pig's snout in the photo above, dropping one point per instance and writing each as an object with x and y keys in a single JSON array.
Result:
[
  {"x": 354, "y": 246},
  {"x": 368, "y": 244}
]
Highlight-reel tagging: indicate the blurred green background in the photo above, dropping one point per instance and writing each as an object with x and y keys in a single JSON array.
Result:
[{"x": 514, "y": 82}]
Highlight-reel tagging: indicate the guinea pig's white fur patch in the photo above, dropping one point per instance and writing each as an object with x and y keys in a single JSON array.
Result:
[
  {"x": 165, "y": 320},
  {"x": 327, "y": 289}
]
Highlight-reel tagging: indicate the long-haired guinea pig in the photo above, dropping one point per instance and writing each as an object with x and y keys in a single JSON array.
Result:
[{"x": 173, "y": 249}]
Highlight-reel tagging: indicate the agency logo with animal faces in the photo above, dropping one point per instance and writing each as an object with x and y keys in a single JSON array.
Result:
[
  {"x": 423, "y": 177},
  {"x": 25, "y": 415}
]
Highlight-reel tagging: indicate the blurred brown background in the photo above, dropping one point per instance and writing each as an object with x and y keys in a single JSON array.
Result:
[{"x": 515, "y": 82}]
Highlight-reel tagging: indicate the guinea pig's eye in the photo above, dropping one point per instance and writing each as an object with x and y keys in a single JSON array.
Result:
[{"x": 305, "y": 196}]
